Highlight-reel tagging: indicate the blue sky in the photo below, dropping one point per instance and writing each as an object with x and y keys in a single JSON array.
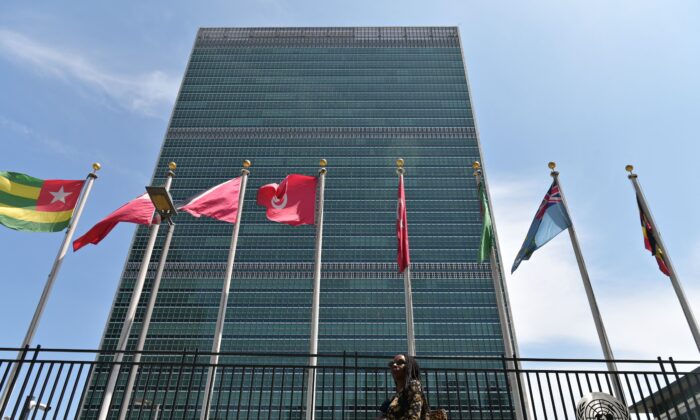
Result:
[{"x": 592, "y": 85}]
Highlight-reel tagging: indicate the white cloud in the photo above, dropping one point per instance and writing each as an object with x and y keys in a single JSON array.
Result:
[
  {"x": 151, "y": 93},
  {"x": 549, "y": 304}
]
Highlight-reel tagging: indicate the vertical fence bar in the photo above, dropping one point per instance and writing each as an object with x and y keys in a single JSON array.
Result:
[
  {"x": 240, "y": 393},
  {"x": 539, "y": 388},
  {"x": 355, "y": 385},
  {"x": 551, "y": 396},
  {"x": 459, "y": 397},
  {"x": 282, "y": 393},
  {"x": 13, "y": 380},
  {"x": 189, "y": 383},
  {"x": 688, "y": 376},
  {"x": 72, "y": 393},
  {"x": 63, "y": 391},
  {"x": 43, "y": 388},
  {"x": 668, "y": 387},
  {"x": 24, "y": 383},
  {"x": 180, "y": 374},
  {"x": 561, "y": 396},
  {"x": 53, "y": 388},
  {"x": 532, "y": 394}
]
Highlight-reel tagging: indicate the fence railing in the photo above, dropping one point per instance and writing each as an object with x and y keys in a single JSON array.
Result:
[{"x": 68, "y": 383}]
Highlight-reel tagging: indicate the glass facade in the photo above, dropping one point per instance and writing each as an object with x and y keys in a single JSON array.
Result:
[{"x": 360, "y": 98}]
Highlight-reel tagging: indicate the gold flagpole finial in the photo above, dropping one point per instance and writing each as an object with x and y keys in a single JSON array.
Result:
[
  {"x": 323, "y": 163},
  {"x": 552, "y": 166},
  {"x": 630, "y": 168},
  {"x": 172, "y": 166},
  {"x": 96, "y": 167},
  {"x": 399, "y": 166},
  {"x": 477, "y": 168},
  {"x": 246, "y": 165}
]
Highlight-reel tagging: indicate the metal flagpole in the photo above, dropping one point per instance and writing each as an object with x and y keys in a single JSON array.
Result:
[
  {"x": 123, "y": 411},
  {"x": 597, "y": 319},
  {"x": 131, "y": 312},
  {"x": 677, "y": 287},
  {"x": 315, "y": 303},
  {"x": 34, "y": 324},
  {"x": 223, "y": 303},
  {"x": 408, "y": 295},
  {"x": 508, "y": 338}
]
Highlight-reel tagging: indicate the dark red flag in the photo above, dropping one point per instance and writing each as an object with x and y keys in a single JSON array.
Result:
[
  {"x": 403, "y": 257},
  {"x": 219, "y": 202},
  {"x": 292, "y": 202},
  {"x": 139, "y": 210}
]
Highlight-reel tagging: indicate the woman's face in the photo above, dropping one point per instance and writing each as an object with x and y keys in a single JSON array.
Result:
[{"x": 398, "y": 367}]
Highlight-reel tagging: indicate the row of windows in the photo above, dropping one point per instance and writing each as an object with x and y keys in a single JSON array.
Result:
[
  {"x": 201, "y": 143},
  {"x": 243, "y": 69},
  {"x": 357, "y": 88},
  {"x": 320, "y": 114},
  {"x": 316, "y": 104},
  {"x": 327, "y": 329},
  {"x": 322, "y": 122},
  {"x": 332, "y": 80},
  {"x": 324, "y": 96},
  {"x": 377, "y": 155},
  {"x": 190, "y": 230},
  {"x": 319, "y": 54},
  {"x": 329, "y": 255},
  {"x": 360, "y": 315},
  {"x": 348, "y": 164},
  {"x": 447, "y": 66}
]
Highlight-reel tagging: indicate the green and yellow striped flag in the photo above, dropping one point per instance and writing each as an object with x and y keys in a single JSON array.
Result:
[{"x": 37, "y": 205}]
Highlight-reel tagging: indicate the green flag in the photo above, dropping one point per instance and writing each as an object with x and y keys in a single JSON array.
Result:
[{"x": 487, "y": 228}]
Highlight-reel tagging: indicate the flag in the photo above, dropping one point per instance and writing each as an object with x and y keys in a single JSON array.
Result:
[
  {"x": 36, "y": 205},
  {"x": 550, "y": 220},
  {"x": 219, "y": 202},
  {"x": 403, "y": 254},
  {"x": 292, "y": 202},
  {"x": 139, "y": 210},
  {"x": 487, "y": 228},
  {"x": 650, "y": 242}
]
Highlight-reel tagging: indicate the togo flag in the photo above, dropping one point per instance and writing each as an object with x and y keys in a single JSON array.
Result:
[{"x": 37, "y": 205}]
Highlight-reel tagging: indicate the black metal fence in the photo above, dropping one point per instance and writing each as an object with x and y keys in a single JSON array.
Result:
[{"x": 66, "y": 384}]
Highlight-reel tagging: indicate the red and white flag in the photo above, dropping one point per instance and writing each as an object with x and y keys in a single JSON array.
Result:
[
  {"x": 219, "y": 202},
  {"x": 139, "y": 210},
  {"x": 403, "y": 257},
  {"x": 292, "y": 202}
]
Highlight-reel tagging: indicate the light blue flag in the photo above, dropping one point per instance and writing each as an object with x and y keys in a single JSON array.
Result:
[{"x": 550, "y": 220}]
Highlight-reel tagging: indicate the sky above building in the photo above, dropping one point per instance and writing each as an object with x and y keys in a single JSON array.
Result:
[{"x": 591, "y": 85}]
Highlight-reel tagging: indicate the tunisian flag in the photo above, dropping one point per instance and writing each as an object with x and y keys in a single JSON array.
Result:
[
  {"x": 292, "y": 202},
  {"x": 219, "y": 202},
  {"x": 139, "y": 210},
  {"x": 403, "y": 257}
]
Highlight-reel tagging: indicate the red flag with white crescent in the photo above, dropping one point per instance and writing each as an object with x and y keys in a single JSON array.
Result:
[
  {"x": 292, "y": 202},
  {"x": 403, "y": 257}
]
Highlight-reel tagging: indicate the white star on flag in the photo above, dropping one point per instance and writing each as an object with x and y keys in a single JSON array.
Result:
[{"x": 60, "y": 195}]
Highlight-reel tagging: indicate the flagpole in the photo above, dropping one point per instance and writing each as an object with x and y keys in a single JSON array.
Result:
[
  {"x": 34, "y": 324},
  {"x": 131, "y": 311},
  {"x": 223, "y": 303},
  {"x": 408, "y": 295},
  {"x": 677, "y": 287},
  {"x": 315, "y": 302},
  {"x": 597, "y": 319},
  {"x": 509, "y": 342},
  {"x": 155, "y": 287}
]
